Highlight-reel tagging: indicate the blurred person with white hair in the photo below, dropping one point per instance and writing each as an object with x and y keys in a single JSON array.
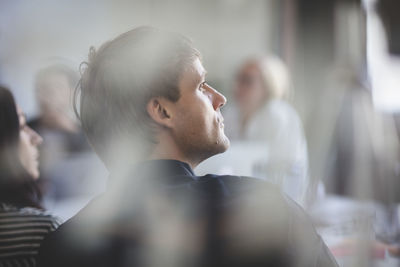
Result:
[
  {"x": 66, "y": 158},
  {"x": 261, "y": 113},
  {"x": 151, "y": 116},
  {"x": 53, "y": 87}
]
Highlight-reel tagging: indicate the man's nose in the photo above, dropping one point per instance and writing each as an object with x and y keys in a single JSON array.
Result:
[{"x": 219, "y": 99}]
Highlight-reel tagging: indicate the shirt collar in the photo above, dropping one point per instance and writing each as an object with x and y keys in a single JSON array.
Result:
[{"x": 165, "y": 167}]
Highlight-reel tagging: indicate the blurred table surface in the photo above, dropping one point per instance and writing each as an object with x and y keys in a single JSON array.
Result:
[{"x": 347, "y": 227}]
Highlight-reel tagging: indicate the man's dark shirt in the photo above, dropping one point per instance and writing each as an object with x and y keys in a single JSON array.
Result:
[{"x": 161, "y": 214}]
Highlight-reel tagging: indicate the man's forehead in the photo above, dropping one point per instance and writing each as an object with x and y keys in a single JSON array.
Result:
[
  {"x": 198, "y": 68},
  {"x": 198, "y": 72},
  {"x": 194, "y": 74}
]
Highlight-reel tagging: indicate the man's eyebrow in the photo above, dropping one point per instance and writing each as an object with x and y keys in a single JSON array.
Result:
[
  {"x": 199, "y": 79},
  {"x": 202, "y": 76}
]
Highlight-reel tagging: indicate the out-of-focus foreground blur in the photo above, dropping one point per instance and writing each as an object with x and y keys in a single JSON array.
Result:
[{"x": 337, "y": 152}]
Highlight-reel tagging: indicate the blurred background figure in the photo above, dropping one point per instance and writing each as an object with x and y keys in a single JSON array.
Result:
[
  {"x": 66, "y": 158},
  {"x": 356, "y": 147},
  {"x": 388, "y": 11},
  {"x": 23, "y": 222},
  {"x": 360, "y": 172},
  {"x": 53, "y": 93},
  {"x": 389, "y": 227},
  {"x": 261, "y": 113}
]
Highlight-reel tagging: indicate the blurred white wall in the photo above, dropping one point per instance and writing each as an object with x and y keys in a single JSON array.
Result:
[
  {"x": 383, "y": 68},
  {"x": 34, "y": 34}
]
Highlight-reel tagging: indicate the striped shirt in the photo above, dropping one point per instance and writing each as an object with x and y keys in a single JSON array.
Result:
[{"x": 21, "y": 233}]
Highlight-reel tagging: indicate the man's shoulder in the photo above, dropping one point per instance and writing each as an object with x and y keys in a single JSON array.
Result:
[
  {"x": 240, "y": 184},
  {"x": 231, "y": 189},
  {"x": 247, "y": 207},
  {"x": 268, "y": 196}
]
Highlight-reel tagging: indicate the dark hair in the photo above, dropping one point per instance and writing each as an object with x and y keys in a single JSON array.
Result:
[
  {"x": 17, "y": 187},
  {"x": 388, "y": 11},
  {"x": 121, "y": 78}
]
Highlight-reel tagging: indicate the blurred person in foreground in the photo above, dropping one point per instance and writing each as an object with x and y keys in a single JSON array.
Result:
[
  {"x": 65, "y": 156},
  {"x": 151, "y": 117},
  {"x": 23, "y": 222},
  {"x": 262, "y": 114}
]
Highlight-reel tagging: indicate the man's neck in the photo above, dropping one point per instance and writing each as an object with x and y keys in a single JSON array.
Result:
[
  {"x": 167, "y": 149},
  {"x": 161, "y": 156}
]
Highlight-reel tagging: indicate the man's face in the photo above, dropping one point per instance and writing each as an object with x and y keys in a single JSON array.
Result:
[{"x": 198, "y": 124}]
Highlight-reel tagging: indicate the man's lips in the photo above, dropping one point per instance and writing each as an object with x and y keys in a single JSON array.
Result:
[{"x": 220, "y": 122}]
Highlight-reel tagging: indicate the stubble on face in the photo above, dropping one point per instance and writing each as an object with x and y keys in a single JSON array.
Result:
[{"x": 199, "y": 130}]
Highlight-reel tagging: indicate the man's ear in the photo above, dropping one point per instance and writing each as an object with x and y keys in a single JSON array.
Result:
[{"x": 159, "y": 110}]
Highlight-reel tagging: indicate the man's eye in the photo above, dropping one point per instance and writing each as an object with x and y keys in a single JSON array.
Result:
[{"x": 201, "y": 87}]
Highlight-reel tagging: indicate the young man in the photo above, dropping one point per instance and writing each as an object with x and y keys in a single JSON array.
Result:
[{"x": 152, "y": 117}]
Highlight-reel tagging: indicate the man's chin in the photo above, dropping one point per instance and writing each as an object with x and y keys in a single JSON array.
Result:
[{"x": 224, "y": 144}]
